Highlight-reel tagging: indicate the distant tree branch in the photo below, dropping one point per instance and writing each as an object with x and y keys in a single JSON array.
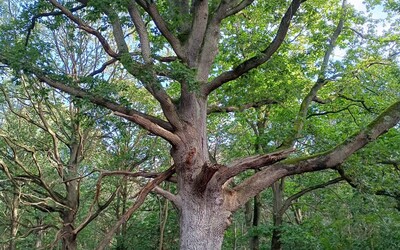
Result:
[
  {"x": 219, "y": 109},
  {"x": 53, "y": 13},
  {"x": 320, "y": 82},
  {"x": 297, "y": 195}
]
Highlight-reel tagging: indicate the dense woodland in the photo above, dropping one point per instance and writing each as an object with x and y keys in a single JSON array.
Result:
[{"x": 199, "y": 124}]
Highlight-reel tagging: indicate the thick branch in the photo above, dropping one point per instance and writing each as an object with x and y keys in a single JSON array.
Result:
[
  {"x": 169, "y": 196},
  {"x": 151, "y": 9},
  {"x": 142, "y": 32},
  {"x": 150, "y": 123},
  {"x": 252, "y": 162},
  {"x": 330, "y": 159},
  {"x": 263, "y": 57}
]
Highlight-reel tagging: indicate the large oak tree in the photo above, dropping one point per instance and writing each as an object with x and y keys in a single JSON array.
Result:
[{"x": 179, "y": 51}]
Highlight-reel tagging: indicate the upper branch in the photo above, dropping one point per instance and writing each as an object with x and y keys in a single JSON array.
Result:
[
  {"x": 320, "y": 82},
  {"x": 233, "y": 9},
  {"x": 141, "y": 30},
  {"x": 54, "y": 13},
  {"x": 265, "y": 55},
  {"x": 151, "y": 9},
  {"x": 330, "y": 159}
]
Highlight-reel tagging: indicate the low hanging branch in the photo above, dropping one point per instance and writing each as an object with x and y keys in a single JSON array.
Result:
[{"x": 139, "y": 201}]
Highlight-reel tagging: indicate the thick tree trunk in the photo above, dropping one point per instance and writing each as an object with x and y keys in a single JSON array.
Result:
[
  {"x": 68, "y": 238},
  {"x": 203, "y": 218},
  {"x": 202, "y": 224}
]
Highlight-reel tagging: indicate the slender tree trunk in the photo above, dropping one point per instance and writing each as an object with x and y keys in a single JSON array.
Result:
[
  {"x": 39, "y": 235},
  {"x": 277, "y": 188},
  {"x": 255, "y": 240},
  {"x": 72, "y": 197},
  {"x": 163, "y": 222},
  {"x": 14, "y": 221}
]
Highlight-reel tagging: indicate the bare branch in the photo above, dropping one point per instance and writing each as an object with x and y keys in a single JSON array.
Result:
[
  {"x": 103, "y": 67},
  {"x": 259, "y": 59}
]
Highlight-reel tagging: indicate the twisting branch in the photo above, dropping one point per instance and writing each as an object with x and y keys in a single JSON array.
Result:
[
  {"x": 53, "y": 13},
  {"x": 263, "y": 57},
  {"x": 252, "y": 162}
]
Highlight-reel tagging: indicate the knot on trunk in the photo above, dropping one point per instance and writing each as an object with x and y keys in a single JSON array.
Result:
[{"x": 208, "y": 170}]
